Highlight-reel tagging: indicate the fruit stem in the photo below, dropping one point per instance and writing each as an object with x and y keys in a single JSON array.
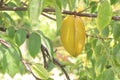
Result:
[{"x": 75, "y": 13}]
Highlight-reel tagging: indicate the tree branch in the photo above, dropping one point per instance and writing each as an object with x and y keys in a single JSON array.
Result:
[
  {"x": 117, "y": 18},
  {"x": 4, "y": 43},
  {"x": 97, "y": 37},
  {"x": 48, "y": 16},
  {"x": 44, "y": 49},
  {"x": 58, "y": 64},
  {"x": 6, "y": 8},
  {"x": 44, "y": 56}
]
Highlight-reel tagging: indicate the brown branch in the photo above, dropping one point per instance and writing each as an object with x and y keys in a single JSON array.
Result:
[
  {"x": 117, "y": 18},
  {"x": 62, "y": 68},
  {"x": 44, "y": 56},
  {"x": 13, "y": 8},
  {"x": 97, "y": 37},
  {"x": 4, "y": 43},
  {"x": 28, "y": 68},
  {"x": 48, "y": 16},
  {"x": 54, "y": 61}
]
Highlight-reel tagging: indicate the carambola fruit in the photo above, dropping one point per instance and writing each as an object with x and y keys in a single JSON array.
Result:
[{"x": 72, "y": 34}]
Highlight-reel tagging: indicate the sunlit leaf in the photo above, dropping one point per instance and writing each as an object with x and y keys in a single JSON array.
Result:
[
  {"x": 64, "y": 3},
  {"x": 47, "y": 43},
  {"x": 34, "y": 43},
  {"x": 104, "y": 15},
  {"x": 58, "y": 14},
  {"x": 12, "y": 62},
  {"x": 35, "y": 8},
  {"x": 39, "y": 71},
  {"x": 8, "y": 18}
]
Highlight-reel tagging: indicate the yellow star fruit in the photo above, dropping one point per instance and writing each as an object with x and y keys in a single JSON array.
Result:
[{"x": 72, "y": 34}]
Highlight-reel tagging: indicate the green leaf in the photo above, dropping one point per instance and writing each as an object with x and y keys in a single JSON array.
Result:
[
  {"x": 49, "y": 3},
  {"x": 8, "y": 18},
  {"x": 106, "y": 75},
  {"x": 39, "y": 71},
  {"x": 116, "y": 31},
  {"x": 89, "y": 54},
  {"x": 117, "y": 57},
  {"x": 64, "y": 3},
  {"x": 105, "y": 31},
  {"x": 100, "y": 63},
  {"x": 49, "y": 46},
  {"x": 72, "y": 4},
  {"x": 20, "y": 14},
  {"x": 97, "y": 51},
  {"x": 10, "y": 32},
  {"x": 47, "y": 43},
  {"x": 34, "y": 43},
  {"x": 12, "y": 4},
  {"x": 12, "y": 62},
  {"x": 93, "y": 6},
  {"x": 88, "y": 46},
  {"x": 116, "y": 53},
  {"x": 116, "y": 48},
  {"x": 94, "y": 42},
  {"x": 1, "y": 56},
  {"x": 58, "y": 14},
  {"x": 20, "y": 36},
  {"x": 104, "y": 15},
  {"x": 59, "y": 3},
  {"x": 35, "y": 9},
  {"x": 91, "y": 72},
  {"x": 51, "y": 65},
  {"x": 22, "y": 68},
  {"x": 114, "y": 1}
]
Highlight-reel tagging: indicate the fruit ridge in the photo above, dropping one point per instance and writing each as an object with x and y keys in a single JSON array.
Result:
[{"x": 72, "y": 34}]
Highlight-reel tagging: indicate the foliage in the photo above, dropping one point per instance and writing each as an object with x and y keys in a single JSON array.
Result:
[{"x": 36, "y": 24}]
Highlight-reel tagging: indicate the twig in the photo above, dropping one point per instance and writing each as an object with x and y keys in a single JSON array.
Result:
[
  {"x": 89, "y": 7},
  {"x": 117, "y": 18},
  {"x": 4, "y": 43},
  {"x": 28, "y": 68},
  {"x": 6, "y": 8},
  {"x": 44, "y": 56},
  {"x": 54, "y": 61},
  {"x": 48, "y": 16},
  {"x": 98, "y": 37},
  {"x": 2, "y": 29},
  {"x": 58, "y": 64}
]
